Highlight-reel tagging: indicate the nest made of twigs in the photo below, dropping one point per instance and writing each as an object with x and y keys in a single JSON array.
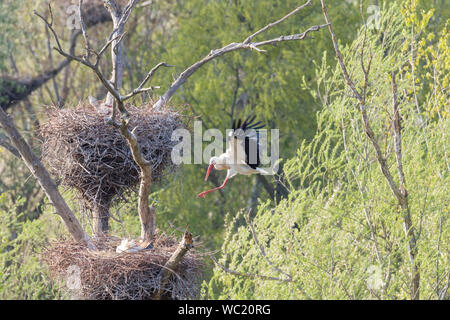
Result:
[
  {"x": 94, "y": 11},
  {"x": 107, "y": 275},
  {"x": 91, "y": 156}
]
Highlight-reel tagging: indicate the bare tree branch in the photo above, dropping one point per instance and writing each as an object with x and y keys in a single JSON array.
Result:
[
  {"x": 44, "y": 179},
  {"x": 185, "y": 245},
  {"x": 5, "y": 144},
  {"x": 50, "y": 61},
  {"x": 83, "y": 29},
  {"x": 271, "y": 25},
  {"x": 149, "y": 75},
  {"x": 119, "y": 18},
  {"x": 146, "y": 214},
  {"x": 397, "y": 136},
  {"x": 246, "y": 44},
  {"x": 347, "y": 78}
]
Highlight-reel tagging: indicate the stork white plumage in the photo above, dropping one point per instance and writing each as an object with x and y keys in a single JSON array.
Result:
[
  {"x": 242, "y": 156},
  {"x": 101, "y": 106}
]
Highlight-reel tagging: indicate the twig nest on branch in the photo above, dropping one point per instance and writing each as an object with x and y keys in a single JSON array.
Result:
[
  {"x": 92, "y": 157},
  {"x": 94, "y": 12},
  {"x": 107, "y": 275}
]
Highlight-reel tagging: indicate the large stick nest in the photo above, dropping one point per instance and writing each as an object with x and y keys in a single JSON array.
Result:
[
  {"x": 92, "y": 157},
  {"x": 107, "y": 275},
  {"x": 93, "y": 11}
]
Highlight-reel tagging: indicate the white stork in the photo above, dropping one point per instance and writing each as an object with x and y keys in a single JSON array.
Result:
[
  {"x": 243, "y": 154},
  {"x": 101, "y": 106}
]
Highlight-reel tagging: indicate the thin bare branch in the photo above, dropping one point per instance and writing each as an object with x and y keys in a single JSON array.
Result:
[
  {"x": 397, "y": 135},
  {"x": 44, "y": 179},
  {"x": 5, "y": 144},
  {"x": 139, "y": 89},
  {"x": 83, "y": 30},
  {"x": 145, "y": 4},
  {"x": 105, "y": 47},
  {"x": 271, "y": 25},
  {"x": 118, "y": 42},
  {"x": 185, "y": 245},
  {"x": 127, "y": 11},
  {"x": 246, "y": 44},
  {"x": 298, "y": 36},
  {"x": 50, "y": 25},
  {"x": 347, "y": 78}
]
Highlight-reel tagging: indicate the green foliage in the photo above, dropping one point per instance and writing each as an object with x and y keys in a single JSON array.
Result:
[
  {"x": 7, "y": 17},
  {"x": 339, "y": 233},
  {"x": 22, "y": 274}
]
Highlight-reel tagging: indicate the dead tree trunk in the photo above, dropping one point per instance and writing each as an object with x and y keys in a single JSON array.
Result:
[
  {"x": 44, "y": 179},
  {"x": 100, "y": 220}
]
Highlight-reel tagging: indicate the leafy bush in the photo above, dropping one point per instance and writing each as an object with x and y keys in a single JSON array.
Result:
[
  {"x": 339, "y": 234},
  {"x": 22, "y": 274}
]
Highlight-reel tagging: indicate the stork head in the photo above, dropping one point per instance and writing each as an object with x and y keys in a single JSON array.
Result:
[{"x": 216, "y": 163}]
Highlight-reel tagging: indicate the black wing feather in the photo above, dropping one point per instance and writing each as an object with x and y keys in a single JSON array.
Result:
[
  {"x": 254, "y": 125},
  {"x": 259, "y": 127},
  {"x": 247, "y": 124},
  {"x": 250, "y": 145}
]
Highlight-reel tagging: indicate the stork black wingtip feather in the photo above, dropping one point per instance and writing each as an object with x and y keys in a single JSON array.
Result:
[
  {"x": 247, "y": 124},
  {"x": 251, "y": 119}
]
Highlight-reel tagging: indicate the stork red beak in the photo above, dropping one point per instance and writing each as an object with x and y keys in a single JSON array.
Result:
[{"x": 211, "y": 166}]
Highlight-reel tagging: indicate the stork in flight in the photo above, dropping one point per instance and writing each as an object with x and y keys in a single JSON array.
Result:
[{"x": 243, "y": 154}]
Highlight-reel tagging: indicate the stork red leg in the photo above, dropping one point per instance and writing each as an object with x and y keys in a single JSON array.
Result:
[
  {"x": 204, "y": 193},
  {"x": 209, "y": 171}
]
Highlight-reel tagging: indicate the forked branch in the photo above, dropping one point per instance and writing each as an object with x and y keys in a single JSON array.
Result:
[
  {"x": 246, "y": 44},
  {"x": 113, "y": 86},
  {"x": 168, "y": 269}
]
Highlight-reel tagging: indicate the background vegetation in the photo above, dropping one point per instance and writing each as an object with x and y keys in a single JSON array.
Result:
[{"x": 326, "y": 227}]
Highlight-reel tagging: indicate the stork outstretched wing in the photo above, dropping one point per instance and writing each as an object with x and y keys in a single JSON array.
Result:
[{"x": 244, "y": 143}]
